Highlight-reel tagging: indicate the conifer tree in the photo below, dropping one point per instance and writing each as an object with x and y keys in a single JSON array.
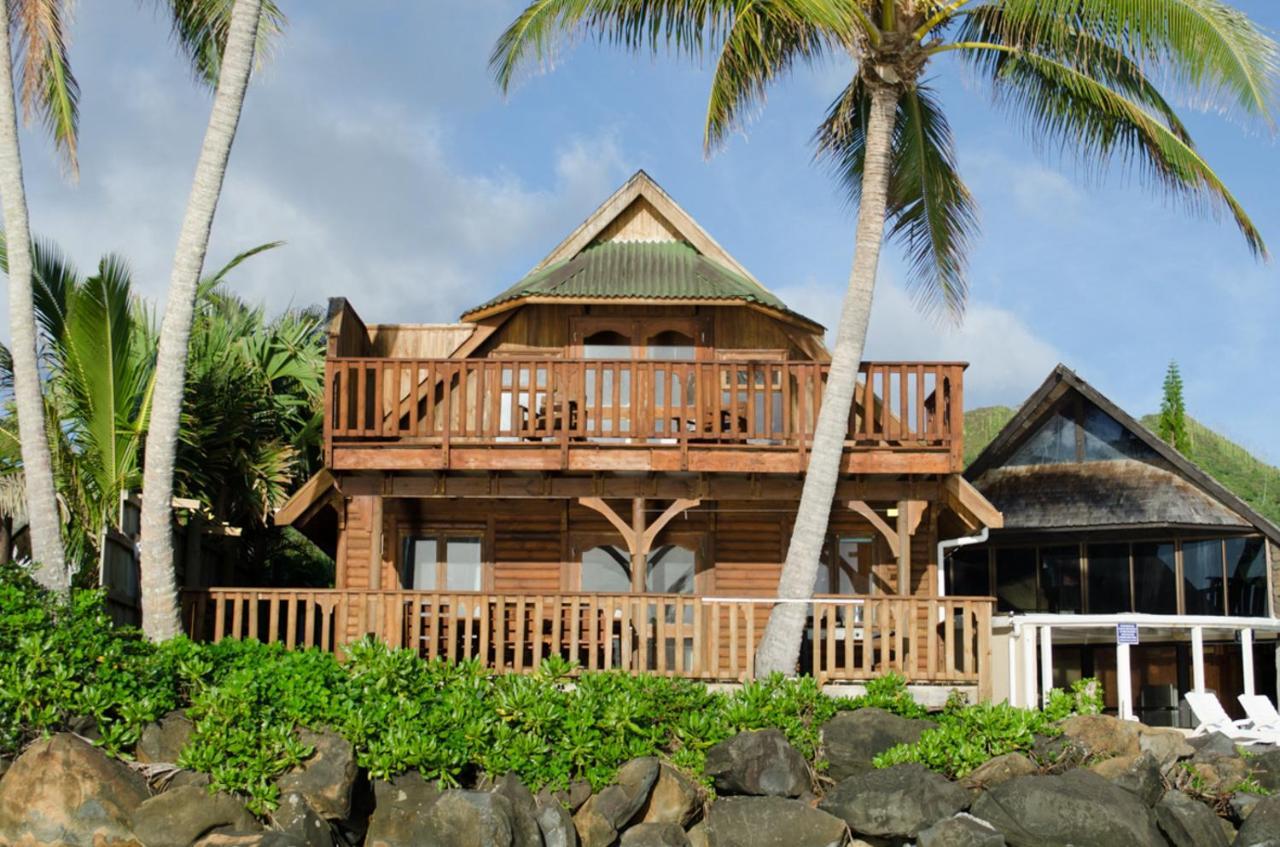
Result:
[{"x": 1173, "y": 412}]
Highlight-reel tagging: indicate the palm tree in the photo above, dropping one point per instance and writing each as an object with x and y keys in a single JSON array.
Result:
[
  {"x": 159, "y": 589},
  {"x": 1079, "y": 75}
]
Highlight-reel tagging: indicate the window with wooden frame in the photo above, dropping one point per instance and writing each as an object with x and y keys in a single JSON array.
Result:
[
  {"x": 674, "y": 565},
  {"x": 443, "y": 560}
]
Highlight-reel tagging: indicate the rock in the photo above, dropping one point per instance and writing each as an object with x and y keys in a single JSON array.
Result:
[
  {"x": 65, "y": 791},
  {"x": 163, "y": 741},
  {"x": 851, "y": 740},
  {"x": 1262, "y": 827},
  {"x": 1266, "y": 769},
  {"x": 1166, "y": 744},
  {"x": 674, "y": 799},
  {"x": 1187, "y": 822},
  {"x": 180, "y": 816},
  {"x": 248, "y": 839},
  {"x": 1058, "y": 753},
  {"x": 1075, "y": 808},
  {"x": 556, "y": 824},
  {"x": 895, "y": 802},
  {"x": 1139, "y": 774},
  {"x": 655, "y": 835},
  {"x": 759, "y": 763},
  {"x": 328, "y": 777},
  {"x": 470, "y": 819},
  {"x": 960, "y": 831},
  {"x": 578, "y": 794},
  {"x": 183, "y": 778},
  {"x": 524, "y": 811},
  {"x": 998, "y": 770},
  {"x": 402, "y": 810},
  {"x": 1242, "y": 804},
  {"x": 1213, "y": 744},
  {"x": 1102, "y": 735},
  {"x": 767, "y": 822},
  {"x": 295, "y": 817},
  {"x": 600, "y": 818},
  {"x": 1218, "y": 774}
]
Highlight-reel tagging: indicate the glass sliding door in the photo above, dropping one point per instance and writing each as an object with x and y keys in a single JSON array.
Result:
[
  {"x": 1155, "y": 578},
  {"x": 1202, "y": 578},
  {"x": 1109, "y": 590},
  {"x": 1246, "y": 577}
]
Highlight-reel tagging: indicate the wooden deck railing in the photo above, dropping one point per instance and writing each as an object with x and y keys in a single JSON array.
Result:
[
  {"x": 935, "y": 640},
  {"x": 898, "y": 405}
]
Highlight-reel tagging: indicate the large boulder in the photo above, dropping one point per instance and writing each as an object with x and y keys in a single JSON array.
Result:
[
  {"x": 602, "y": 816},
  {"x": 1262, "y": 827},
  {"x": 1139, "y": 774},
  {"x": 259, "y": 838},
  {"x": 851, "y": 740},
  {"x": 1102, "y": 735},
  {"x": 1076, "y": 808},
  {"x": 895, "y": 802},
  {"x": 470, "y": 819},
  {"x": 961, "y": 830},
  {"x": 328, "y": 777},
  {"x": 1213, "y": 745},
  {"x": 295, "y": 817},
  {"x": 65, "y": 791},
  {"x": 767, "y": 822},
  {"x": 1218, "y": 774},
  {"x": 180, "y": 816},
  {"x": 1266, "y": 770},
  {"x": 998, "y": 770},
  {"x": 1187, "y": 822},
  {"x": 163, "y": 740},
  {"x": 1166, "y": 744},
  {"x": 759, "y": 763},
  {"x": 674, "y": 799},
  {"x": 402, "y": 810},
  {"x": 524, "y": 811},
  {"x": 655, "y": 835}
]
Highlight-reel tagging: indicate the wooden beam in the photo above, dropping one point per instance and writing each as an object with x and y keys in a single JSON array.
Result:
[
  {"x": 311, "y": 491},
  {"x": 915, "y": 513},
  {"x": 968, "y": 502},
  {"x": 639, "y": 555},
  {"x": 890, "y": 535},
  {"x": 598, "y": 504},
  {"x": 904, "y": 547},
  {"x": 676, "y": 508},
  {"x": 375, "y": 545}
]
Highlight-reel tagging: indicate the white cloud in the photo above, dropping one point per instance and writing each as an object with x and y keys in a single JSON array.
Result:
[{"x": 1006, "y": 359}]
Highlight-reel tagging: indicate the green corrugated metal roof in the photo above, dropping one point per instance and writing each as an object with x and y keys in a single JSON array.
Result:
[{"x": 667, "y": 270}]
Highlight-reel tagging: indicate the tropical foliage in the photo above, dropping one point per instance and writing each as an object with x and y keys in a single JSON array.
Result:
[
  {"x": 251, "y": 427},
  {"x": 451, "y": 722},
  {"x": 1094, "y": 79},
  {"x": 1172, "y": 423}
]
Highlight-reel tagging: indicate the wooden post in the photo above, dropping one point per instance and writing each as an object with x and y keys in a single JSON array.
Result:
[
  {"x": 904, "y": 548},
  {"x": 1124, "y": 684},
  {"x": 1046, "y": 664},
  {"x": 1029, "y": 681},
  {"x": 375, "y": 544},
  {"x": 640, "y": 550},
  {"x": 1246, "y": 650},
  {"x": 1197, "y": 659}
]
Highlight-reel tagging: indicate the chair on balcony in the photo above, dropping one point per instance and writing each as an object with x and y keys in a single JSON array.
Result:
[
  {"x": 1262, "y": 713},
  {"x": 1211, "y": 717}
]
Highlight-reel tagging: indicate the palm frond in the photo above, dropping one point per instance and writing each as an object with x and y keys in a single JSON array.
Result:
[
  {"x": 930, "y": 210},
  {"x": 1206, "y": 45},
  {"x": 1066, "y": 106},
  {"x": 200, "y": 30},
  {"x": 48, "y": 89}
]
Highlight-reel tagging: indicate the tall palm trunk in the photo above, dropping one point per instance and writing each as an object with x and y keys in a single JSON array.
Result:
[
  {"x": 159, "y": 590},
  {"x": 37, "y": 463},
  {"x": 780, "y": 645}
]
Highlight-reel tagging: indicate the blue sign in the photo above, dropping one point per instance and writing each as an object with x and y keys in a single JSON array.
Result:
[{"x": 1126, "y": 633}]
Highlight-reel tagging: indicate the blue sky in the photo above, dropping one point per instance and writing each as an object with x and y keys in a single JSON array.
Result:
[{"x": 376, "y": 146}]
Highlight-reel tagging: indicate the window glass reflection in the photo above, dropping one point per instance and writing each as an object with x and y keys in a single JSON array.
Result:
[{"x": 1109, "y": 578}]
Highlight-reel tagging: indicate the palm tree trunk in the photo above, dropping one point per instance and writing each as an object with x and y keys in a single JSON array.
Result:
[
  {"x": 780, "y": 645},
  {"x": 37, "y": 463},
  {"x": 159, "y": 590}
]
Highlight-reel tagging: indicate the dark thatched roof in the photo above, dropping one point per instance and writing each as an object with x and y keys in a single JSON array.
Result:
[{"x": 1100, "y": 494}]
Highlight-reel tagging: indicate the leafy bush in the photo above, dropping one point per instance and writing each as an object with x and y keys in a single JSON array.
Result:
[{"x": 60, "y": 663}]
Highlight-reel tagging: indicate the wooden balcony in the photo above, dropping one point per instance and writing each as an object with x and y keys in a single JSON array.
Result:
[
  {"x": 934, "y": 640},
  {"x": 647, "y": 415}
]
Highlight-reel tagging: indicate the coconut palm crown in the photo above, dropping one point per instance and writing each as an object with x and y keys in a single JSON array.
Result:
[{"x": 1092, "y": 78}]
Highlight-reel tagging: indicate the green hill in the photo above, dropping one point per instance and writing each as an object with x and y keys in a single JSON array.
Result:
[{"x": 1252, "y": 480}]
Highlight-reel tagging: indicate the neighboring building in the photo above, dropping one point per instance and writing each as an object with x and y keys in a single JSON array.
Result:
[
  {"x": 603, "y": 462},
  {"x": 1106, "y": 524}
]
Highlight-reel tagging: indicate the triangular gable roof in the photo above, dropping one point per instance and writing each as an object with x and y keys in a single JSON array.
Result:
[
  {"x": 1063, "y": 380},
  {"x": 639, "y": 243}
]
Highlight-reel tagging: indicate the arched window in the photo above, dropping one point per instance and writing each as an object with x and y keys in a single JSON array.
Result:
[
  {"x": 672, "y": 570},
  {"x": 671, "y": 344},
  {"x": 606, "y": 569},
  {"x": 606, "y": 344}
]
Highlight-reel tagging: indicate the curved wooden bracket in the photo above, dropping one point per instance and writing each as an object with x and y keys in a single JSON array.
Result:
[
  {"x": 890, "y": 534},
  {"x": 598, "y": 504},
  {"x": 680, "y": 505}
]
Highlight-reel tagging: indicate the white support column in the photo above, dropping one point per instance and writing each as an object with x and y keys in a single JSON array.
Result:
[
  {"x": 1246, "y": 653},
  {"x": 1124, "y": 683},
  {"x": 1046, "y": 664},
  {"x": 1029, "y": 681},
  {"x": 1013, "y": 667},
  {"x": 1197, "y": 659}
]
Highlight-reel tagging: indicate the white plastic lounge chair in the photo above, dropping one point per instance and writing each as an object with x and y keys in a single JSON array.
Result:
[
  {"x": 1213, "y": 718},
  {"x": 1262, "y": 713}
]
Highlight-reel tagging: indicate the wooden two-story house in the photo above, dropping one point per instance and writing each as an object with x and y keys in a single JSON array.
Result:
[{"x": 603, "y": 462}]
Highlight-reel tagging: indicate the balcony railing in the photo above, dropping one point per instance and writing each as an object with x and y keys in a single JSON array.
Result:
[
  {"x": 941, "y": 640},
  {"x": 898, "y": 406}
]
